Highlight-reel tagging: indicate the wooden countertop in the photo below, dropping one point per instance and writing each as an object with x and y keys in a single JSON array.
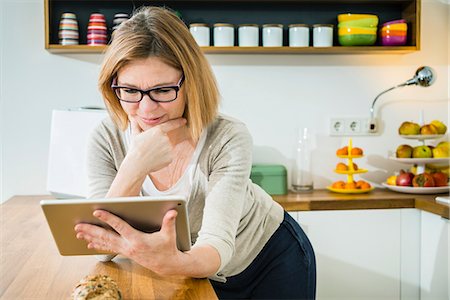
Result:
[
  {"x": 377, "y": 199},
  {"x": 32, "y": 268}
]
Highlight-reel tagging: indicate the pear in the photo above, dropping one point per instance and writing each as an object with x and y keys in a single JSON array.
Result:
[
  {"x": 409, "y": 128},
  {"x": 442, "y": 129},
  {"x": 404, "y": 151},
  {"x": 428, "y": 129},
  {"x": 422, "y": 152}
]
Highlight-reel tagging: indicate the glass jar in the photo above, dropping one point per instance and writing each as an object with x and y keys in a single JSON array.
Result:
[
  {"x": 248, "y": 35},
  {"x": 223, "y": 35},
  {"x": 323, "y": 35},
  {"x": 298, "y": 35},
  {"x": 302, "y": 178},
  {"x": 272, "y": 35},
  {"x": 200, "y": 32}
]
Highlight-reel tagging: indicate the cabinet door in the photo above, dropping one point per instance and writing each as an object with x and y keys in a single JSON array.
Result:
[
  {"x": 434, "y": 258},
  {"x": 358, "y": 252}
]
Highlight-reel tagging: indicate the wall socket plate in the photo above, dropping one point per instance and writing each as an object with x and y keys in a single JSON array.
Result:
[{"x": 348, "y": 126}]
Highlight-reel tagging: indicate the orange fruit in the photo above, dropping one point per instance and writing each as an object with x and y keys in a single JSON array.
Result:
[
  {"x": 355, "y": 166},
  {"x": 362, "y": 185},
  {"x": 356, "y": 151},
  {"x": 350, "y": 186},
  {"x": 341, "y": 167},
  {"x": 338, "y": 185},
  {"x": 342, "y": 151}
]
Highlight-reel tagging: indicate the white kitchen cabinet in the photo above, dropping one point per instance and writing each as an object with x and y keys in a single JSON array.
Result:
[
  {"x": 434, "y": 257},
  {"x": 365, "y": 254}
]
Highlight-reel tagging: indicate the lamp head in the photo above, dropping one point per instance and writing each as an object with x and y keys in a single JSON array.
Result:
[{"x": 424, "y": 77}]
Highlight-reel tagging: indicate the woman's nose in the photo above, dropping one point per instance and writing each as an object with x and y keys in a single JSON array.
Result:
[{"x": 147, "y": 104}]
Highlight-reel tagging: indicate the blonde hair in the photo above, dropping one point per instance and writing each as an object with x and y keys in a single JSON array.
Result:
[{"x": 158, "y": 32}]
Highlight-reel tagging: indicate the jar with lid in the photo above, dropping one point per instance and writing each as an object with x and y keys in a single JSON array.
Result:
[
  {"x": 272, "y": 35},
  {"x": 298, "y": 35},
  {"x": 248, "y": 35},
  {"x": 200, "y": 32},
  {"x": 223, "y": 35},
  {"x": 323, "y": 35}
]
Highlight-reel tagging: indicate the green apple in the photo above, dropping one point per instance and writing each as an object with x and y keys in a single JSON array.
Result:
[
  {"x": 404, "y": 151},
  {"x": 409, "y": 128},
  {"x": 422, "y": 152}
]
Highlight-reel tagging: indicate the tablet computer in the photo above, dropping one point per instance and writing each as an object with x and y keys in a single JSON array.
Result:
[{"x": 143, "y": 213}]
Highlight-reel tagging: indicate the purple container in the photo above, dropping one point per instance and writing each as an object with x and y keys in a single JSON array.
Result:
[
  {"x": 393, "y": 40},
  {"x": 394, "y": 22}
]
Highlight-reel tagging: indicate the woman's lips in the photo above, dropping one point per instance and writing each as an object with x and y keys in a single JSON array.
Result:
[{"x": 151, "y": 121}]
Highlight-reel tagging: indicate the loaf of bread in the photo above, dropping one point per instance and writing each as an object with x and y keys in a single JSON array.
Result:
[{"x": 96, "y": 287}]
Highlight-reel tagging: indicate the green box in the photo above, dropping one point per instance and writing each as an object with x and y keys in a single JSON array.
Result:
[{"x": 272, "y": 178}]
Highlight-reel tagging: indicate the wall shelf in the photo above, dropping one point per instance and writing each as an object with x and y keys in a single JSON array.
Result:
[{"x": 244, "y": 11}]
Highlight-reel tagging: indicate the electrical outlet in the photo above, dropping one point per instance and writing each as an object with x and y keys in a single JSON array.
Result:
[
  {"x": 348, "y": 126},
  {"x": 337, "y": 126}
]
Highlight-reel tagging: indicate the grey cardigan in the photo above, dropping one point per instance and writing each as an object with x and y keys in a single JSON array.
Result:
[{"x": 226, "y": 210}]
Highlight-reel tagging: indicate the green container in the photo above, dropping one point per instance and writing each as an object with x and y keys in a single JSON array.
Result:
[{"x": 272, "y": 178}]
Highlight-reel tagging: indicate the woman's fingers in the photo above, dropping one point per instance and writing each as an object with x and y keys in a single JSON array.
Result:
[
  {"x": 119, "y": 225},
  {"x": 135, "y": 128},
  {"x": 98, "y": 236}
]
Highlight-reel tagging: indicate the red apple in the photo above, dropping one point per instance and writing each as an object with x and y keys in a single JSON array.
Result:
[
  {"x": 440, "y": 179},
  {"x": 404, "y": 178},
  {"x": 423, "y": 180}
]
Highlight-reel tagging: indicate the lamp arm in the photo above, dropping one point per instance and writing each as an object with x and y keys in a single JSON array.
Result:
[{"x": 383, "y": 92}]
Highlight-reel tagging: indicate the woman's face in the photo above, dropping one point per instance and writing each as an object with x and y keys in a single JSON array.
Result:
[{"x": 145, "y": 74}]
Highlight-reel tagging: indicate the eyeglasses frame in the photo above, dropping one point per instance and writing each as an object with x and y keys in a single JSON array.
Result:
[{"x": 176, "y": 87}]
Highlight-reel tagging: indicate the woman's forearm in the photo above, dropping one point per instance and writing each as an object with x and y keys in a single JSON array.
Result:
[
  {"x": 127, "y": 182},
  {"x": 199, "y": 262}
]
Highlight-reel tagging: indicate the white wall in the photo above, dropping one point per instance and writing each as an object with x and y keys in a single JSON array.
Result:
[{"x": 273, "y": 94}]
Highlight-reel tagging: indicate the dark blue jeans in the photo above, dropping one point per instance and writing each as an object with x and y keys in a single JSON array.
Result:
[{"x": 284, "y": 269}]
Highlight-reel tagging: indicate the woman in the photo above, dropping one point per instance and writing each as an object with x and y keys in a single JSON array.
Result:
[{"x": 165, "y": 137}]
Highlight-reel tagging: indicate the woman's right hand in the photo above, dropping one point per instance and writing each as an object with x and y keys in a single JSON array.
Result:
[{"x": 152, "y": 149}]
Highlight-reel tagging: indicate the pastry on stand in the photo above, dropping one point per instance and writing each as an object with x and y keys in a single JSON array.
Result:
[{"x": 350, "y": 186}]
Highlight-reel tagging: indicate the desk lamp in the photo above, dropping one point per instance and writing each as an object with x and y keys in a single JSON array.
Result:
[{"x": 424, "y": 76}]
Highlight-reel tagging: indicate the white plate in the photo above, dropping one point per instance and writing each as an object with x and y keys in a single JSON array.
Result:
[
  {"x": 443, "y": 160},
  {"x": 422, "y": 137},
  {"x": 417, "y": 190}
]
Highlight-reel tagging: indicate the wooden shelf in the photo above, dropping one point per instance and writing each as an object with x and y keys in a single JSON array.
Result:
[
  {"x": 258, "y": 50},
  {"x": 245, "y": 11}
]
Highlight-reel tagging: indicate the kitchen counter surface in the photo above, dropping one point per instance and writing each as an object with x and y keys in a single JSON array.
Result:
[
  {"x": 322, "y": 199},
  {"x": 32, "y": 268}
]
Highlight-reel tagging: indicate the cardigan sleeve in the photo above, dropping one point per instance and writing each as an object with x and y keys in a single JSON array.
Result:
[{"x": 230, "y": 166}]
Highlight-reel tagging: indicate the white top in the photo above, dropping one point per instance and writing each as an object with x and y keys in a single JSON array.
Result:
[{"x": 184, "y": 183}]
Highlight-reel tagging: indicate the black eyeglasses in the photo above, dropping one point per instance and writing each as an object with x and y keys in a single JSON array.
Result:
[{"x": 157, "y": 94}]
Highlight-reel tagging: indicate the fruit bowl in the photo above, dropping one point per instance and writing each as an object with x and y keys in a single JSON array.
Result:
[
  {"x": 349, "y": 156},
  {"x": 417, "y": 190},
  {"x": 350, "y": 191},
  {"x": 348, "y": 172},
  {"x": 422, "y": 137},
  {"x": 440, "y": 160}
]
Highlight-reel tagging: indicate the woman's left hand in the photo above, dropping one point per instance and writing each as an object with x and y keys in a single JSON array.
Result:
[{"x": 156, "y": 251}]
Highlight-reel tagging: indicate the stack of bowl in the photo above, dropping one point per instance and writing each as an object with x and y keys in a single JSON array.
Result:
[
  {"x": 357, "y": 29},
  {"x": 97, "y": 30},
  {"x": 68, "y": 29},
  {"x": 393, "y": 33},
  {"x": 119, "y": 18}
]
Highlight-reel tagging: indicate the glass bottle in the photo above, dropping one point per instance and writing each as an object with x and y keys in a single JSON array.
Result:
[{"x": 302, "y": 177}]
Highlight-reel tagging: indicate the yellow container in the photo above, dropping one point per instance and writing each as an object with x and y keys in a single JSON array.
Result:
[
  {"x": 354, "y": 30},
  {"x": 352, "y": 17}
]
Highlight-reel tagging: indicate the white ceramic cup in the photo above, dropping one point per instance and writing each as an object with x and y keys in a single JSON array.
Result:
[
  {"x": 248, "y": 35},
  {"x": 298, "y": 35},
  {"x": 323, "y": 35},
  {"x": 272, "y": 35},
  {"x": 200, "y": 32},
  {"x": 223, "y": 35}
]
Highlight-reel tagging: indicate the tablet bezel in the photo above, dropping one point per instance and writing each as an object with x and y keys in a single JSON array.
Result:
[{"x": 145, "y": 213}]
